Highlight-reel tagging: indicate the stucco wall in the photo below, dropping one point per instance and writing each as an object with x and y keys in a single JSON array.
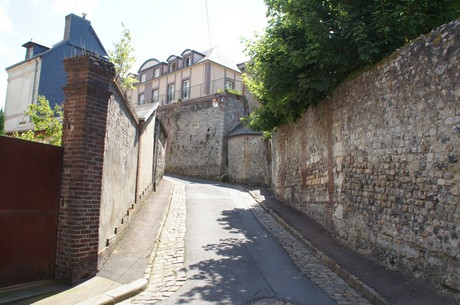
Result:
[
  {"x": 146, "y": 157},
  {"x": 196, "y": 135},
  {"x": 378, "y": 163},
  {"x": 120, "y": 166}
]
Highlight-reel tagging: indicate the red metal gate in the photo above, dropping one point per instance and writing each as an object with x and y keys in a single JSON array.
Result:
[{"x": 30, "y": 182}]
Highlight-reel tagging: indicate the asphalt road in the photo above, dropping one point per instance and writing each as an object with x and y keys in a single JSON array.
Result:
[{"x": 232, "y": 259}]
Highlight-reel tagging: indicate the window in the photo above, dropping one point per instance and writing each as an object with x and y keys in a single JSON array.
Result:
[
  {"x": 172, "y": 67},
  {"x": 156, "y": 73},
  {"x": 170, "y": 93},
  {"x": 186, "y": 89},
  {"x": 141, "y": 99},
  {"x": 155, "y": 95},
  {"x": 187, "y": 61},
  {"x": 143, "y": 78},
  {"x": 30, "y": 52},
  {"x": 229, "y": 85}
]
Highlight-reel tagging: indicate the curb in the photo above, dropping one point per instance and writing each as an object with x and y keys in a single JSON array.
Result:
[
  {"x": 126, "y": 291},
  {"x": 117, "y": 295},
  {"x": 149, "y": 268},
  {"x": 369, "y": 293}
]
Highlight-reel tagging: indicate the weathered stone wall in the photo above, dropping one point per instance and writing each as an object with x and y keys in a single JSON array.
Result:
[
  {"x": 196, "y": 135},
  {"x": 377, "y": 163},
  {"x": 247, "y": 163},
  {"x": 160, "y": 155}
]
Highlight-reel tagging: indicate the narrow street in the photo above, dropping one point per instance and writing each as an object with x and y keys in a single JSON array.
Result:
[{"x": 218, "y": 247}]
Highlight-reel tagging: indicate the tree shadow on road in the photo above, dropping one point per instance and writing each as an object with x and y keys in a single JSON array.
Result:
[{"x": 234, "y": 276}]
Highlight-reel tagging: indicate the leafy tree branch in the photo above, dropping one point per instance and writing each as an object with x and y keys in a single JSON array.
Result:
[
  {"x": 2, "y": 122},
  {"x": 310, "y": 46},
  {"x": 123, "y": 59},
  {"x": 47, "y": 128}
]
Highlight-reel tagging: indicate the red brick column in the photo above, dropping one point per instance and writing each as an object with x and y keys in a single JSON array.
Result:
[{"x": 85, "y": 112}]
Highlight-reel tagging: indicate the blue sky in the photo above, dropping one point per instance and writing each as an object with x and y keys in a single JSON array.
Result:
[{"x": 159, "y": 27}]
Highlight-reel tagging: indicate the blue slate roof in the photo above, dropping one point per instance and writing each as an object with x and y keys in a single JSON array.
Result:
[{"x": 79, "y": 38}]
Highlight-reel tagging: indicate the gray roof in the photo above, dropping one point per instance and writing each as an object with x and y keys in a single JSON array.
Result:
[
  {"x": 218, "y": 57},
  {"x": 144, "y": 112},
  {"x": 240, "y": 130}
]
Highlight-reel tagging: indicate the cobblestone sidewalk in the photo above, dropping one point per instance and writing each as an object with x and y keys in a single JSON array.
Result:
[{"x": 167, "y": 270}]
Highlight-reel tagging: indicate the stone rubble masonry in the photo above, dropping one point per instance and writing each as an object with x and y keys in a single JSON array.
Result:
[
  {"x": 85, "y": 112},
  {"x": 197, "y": 145},
  {"x": 378, "y": 162},
  {"x": 245, "y": 164}
]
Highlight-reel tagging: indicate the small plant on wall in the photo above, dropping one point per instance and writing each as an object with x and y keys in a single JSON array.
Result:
[{"x": 2, "y": 122}]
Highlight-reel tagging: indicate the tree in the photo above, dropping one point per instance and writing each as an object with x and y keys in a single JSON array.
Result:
[
  {"x": 2, "y": 122},
  {"x": 47, "y": 129},
  {"x": 310, "y": 46},
  {"x": 123, "y": 60}
]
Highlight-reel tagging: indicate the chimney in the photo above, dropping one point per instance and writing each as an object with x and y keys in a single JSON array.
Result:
[{"x": 68, "y": 20}]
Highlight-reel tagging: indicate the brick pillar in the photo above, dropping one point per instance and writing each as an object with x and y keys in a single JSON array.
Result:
[{"x": 85, "y": 112}]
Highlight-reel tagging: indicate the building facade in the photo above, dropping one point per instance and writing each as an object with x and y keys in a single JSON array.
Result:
[
  {"x": 42, "y": 71},
  {"x": 188, "y": 76}
]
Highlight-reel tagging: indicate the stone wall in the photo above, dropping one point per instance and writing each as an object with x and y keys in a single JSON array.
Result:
[
  {"x": 196, "y": 135},
  {"x": 377, "y": 163},
  {"x": 160, "y": 152},
  {"x": 247, "y": 163}
]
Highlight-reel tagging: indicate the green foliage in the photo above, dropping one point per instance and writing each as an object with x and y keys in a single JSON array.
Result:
[
  {"x": 123, "y": 59},
  {"x": 48, "y": 129},
  {"x": 2, "y": 122},
  {"x": 233, "y": 91},
  {"x": 310, "y": 46}
]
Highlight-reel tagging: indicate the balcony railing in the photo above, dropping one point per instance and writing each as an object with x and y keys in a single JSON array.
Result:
[{"x": 198, "y": 91}]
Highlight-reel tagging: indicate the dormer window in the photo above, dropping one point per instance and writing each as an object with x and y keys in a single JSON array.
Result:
[
  {"x": 30, "y": 53},
  {"x": 188, "y": 61},
  {"x": 143, "y": 78},
  {"x": 156, "y": 73},
  {"x": 172, "y": 67}
]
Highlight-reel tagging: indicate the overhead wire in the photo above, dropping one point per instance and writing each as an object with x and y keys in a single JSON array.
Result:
[{"x": 209, "y": 27}]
